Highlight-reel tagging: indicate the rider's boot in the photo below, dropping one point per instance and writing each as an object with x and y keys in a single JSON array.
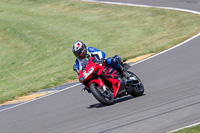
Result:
[
  {"x": 116, "y": 60},
  {"x": 122, "y": 72},
  {"x": 86, "y": 89}
]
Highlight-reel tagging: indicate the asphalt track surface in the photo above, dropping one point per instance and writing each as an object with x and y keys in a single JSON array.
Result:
[{"x": 171, "y": 100}]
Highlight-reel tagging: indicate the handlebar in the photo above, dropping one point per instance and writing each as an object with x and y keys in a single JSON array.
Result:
[{"x": 96, "y": 60}]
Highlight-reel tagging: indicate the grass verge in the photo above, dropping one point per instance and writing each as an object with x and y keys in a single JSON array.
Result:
[
  {"x": 36, "y": 38},
  {"x": 195, "y": 129}
]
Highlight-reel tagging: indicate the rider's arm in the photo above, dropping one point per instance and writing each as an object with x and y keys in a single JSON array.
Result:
[
  {"x": 95, "y": 52},
  {"x": 77, "y": 63}
]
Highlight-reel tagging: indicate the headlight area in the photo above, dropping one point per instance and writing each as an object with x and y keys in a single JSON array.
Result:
[
  {"x": 86, "y": 74},
  {"x": 91, "y": 70}
]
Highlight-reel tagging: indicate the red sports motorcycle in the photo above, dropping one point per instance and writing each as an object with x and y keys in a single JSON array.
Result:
[{"x": 105, "y": 83}]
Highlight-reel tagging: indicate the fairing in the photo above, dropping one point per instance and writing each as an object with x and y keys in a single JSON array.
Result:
[{"x": 109, "y": 74}]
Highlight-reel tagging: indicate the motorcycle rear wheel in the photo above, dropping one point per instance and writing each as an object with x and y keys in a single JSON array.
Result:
[
  {"x": 98, "y": 94},
  {"x": 137, "y": 90}
]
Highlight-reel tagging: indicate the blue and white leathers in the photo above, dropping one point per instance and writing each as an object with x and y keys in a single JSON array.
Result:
[
  {"x": 92, "y": 52},
  {"x": 95, "y": 52},
  {"x": 113, "y": 62}
]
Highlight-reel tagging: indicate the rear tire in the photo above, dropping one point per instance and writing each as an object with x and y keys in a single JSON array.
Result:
[
  {"x": 138, "y": 89},
  {"x": 99, "y": 96}
]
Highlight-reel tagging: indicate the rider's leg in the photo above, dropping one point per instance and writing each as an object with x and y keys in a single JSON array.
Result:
[
  {"x": 120, "y": 69},
  {"x": 115, "y": 62}
]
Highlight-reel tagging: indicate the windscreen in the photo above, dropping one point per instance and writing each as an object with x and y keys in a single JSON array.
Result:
[{"x": 83, "y": 63}]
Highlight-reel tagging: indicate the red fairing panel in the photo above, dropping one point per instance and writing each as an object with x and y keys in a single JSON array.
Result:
[
  {"x": 80, "y": 76},
  {"x": 100, "y": 70},
  {"x": 115, "y": 85},
  {"x": 98, "y": 81}
]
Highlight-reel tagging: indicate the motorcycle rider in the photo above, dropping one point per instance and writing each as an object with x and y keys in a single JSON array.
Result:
[{"x": 80, "y": 50}]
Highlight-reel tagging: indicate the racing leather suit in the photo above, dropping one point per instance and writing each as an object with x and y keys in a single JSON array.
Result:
[
  {"x": 92, "y": 52},
  {"x": 113, "y": 62}
]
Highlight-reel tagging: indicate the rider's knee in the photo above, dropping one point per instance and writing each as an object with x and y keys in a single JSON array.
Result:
[{"x": 114, "y": 62}]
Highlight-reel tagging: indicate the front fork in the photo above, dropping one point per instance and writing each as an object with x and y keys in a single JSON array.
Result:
[{"x": 104, "y": 88}]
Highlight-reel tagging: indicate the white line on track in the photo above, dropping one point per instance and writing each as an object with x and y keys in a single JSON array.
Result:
[
  {"x": 184, "y": 127},
  {"x": 42, "y": 97},
  {"x": 168, "y": 49},
  {"x": 128, "y": 4}
]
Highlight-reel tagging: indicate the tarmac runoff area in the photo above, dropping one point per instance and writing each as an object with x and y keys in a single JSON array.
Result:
[{"x": 32, "y": 96}]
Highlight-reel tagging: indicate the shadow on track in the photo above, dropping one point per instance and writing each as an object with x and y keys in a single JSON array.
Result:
[{"x": 100, "y": 105}]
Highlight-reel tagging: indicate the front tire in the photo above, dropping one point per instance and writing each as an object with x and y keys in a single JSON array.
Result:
[{"x": 107, "y": 99}]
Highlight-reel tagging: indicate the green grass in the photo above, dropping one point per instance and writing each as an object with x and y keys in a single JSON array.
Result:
[
  {"x": 36, "y": 38},
  {"x": 195, "y": 129}
]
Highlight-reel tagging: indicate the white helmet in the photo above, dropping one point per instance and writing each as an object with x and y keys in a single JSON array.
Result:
[{"x": 79, "y": 49}]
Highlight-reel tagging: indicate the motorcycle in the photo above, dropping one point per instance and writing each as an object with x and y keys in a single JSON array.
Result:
[{"x": 105, "y": 83}]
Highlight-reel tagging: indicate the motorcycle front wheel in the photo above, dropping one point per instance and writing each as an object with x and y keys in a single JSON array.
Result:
[{"x": 104, "y": 97}]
